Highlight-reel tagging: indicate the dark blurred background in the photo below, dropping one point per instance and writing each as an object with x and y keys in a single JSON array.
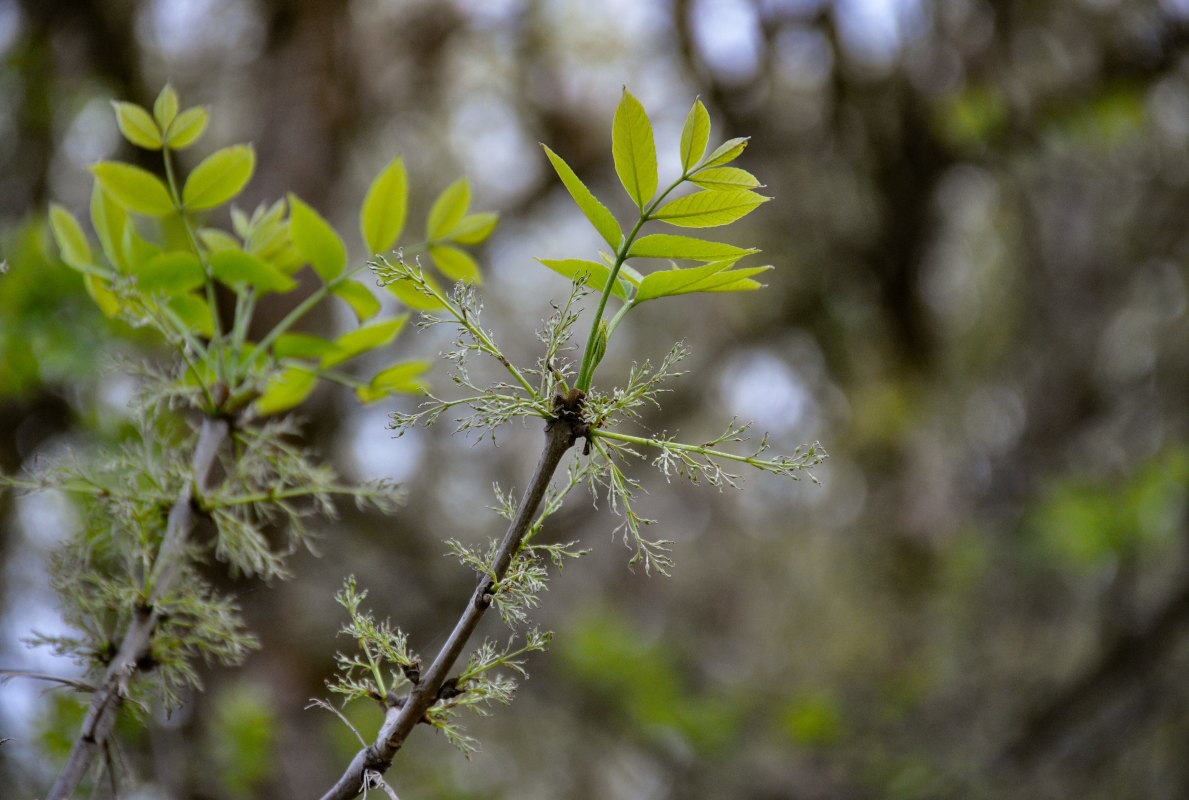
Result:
[{"x": 978, "y": 307}]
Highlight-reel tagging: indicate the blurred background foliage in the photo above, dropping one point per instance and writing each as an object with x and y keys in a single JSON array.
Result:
[{"x": 978, "y": 307}]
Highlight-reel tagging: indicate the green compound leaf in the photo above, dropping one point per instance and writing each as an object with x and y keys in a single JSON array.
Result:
[
  {"x": 241, "y": 270},
  {"x": 708, "y": 209},
  {"x": 385, "y": 206},
  {"x": 726, "y": 152},
  {"x": 165, "y": 107},
  {"x": 286, "y": 390},
  {"x": 716, "y": 277},
  {"x": 173, "y": 273},
  {"x": 186, "y": 128},
  {"x": 403, "y": 377},
  {"x": 219, "y": 177},
  {"x": 133, "y": 188},
  {"x": 448, "y": 210},
  {"x": 364, "y": 339},
  {"x": 634, "y": 150},
  {"x": 595, "y": 211},
  {"x": 72, "y": 242},
  {"x": 725, "y": 179},
  {"x": 301, "y": 345},
  {"x": 195, "y": 313},
  {"x": 316, "y": 240},
  {"x": 365, "y": 304},
  {"x": 475, "y": 228},
  {"x": 593, "y": 274},
  {"x": 454, "y": 263},
  {"x": 109, "y": 220},
  {"x": 137, "y": 126},
  {"x": 666, "y": 245},
  {"x": 695, "y": 135}
]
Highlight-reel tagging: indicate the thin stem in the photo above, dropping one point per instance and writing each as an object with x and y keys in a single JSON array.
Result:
[
  {"x": 171, "y": 180},
  {"x": 664, "y": 444},
  {"x": 300, "y": 311}
]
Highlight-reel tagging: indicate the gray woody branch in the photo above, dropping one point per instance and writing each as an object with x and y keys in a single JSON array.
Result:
[
  {"x": 137, "y": 646},
  {"x": 401, "y": 717}
]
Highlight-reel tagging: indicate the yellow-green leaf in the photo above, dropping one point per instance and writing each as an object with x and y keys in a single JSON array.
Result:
[
  {"x": 707, "y": 278},
  {"x": 448, "y": 210},
  {"x": 708, "y": 209},
  {"x": 137, "y": 126},
  {"x": 72, "y": 242},
  {"x": 384, "y": 207},
  {"x": 286, "y": 390},
  {"x": 216, "y": 240},
  {"x": 454, "y": 263},
  {"x": 186, "y": 128},
  {"x": 103, "y": 296},
  {"x": 602, "y": 219},
  {"x": 175, "y": 272},
  {"x": 195, "y": 313},
  {"x": 301, "y": 345},
  {"x": 133, "y": 188},
  {"x": 109, "y": 220},
  {"x": 359, "y": 297},
  {"x": 360, "y": 341},
  {"x": 219, "y": 177},
  {"x": 403, "y": 377},
  {"x": 634, "y": 149},
  {"x": 238, "y": 270},
  {"x": 666, "y": 245},
  {"x": 475, "y": 228},
  {"x": 726, "y": 152},
  {"x": 725, "y": 179},
  {"x": 695, "y": 135},
  {"x": 165, "y": 107},
  {"x": 317, "y": 241},
  {"x": 592, "y": 274}
]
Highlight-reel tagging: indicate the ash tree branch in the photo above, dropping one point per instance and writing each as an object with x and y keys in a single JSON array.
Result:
[
  {"x": 404, "y": 713},
  {"x": 109, "y": 696}
]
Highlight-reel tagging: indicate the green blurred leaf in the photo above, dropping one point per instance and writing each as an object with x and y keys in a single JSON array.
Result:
[
  {"x": 194, "y": 311},
  {"x": 109, "y": 219},
  {"x": 216, "y": 240},
  {"x": 595, "y": 211},
  {"x": 219, "y": 177},
  {"x": 403, "y": 377},
  {"x": 454, "y": 263},
  {"x": 286, "y": 390},
  {"x": 726, "y": 152},
  {"x": 316, "y": 240},
  {"x": 365, "y": 304},
  {"x": 725, "y": 179},
  {"x": 243, "y": 740},
  {"x": 186, "y": 128},
  {"x": 165, "y": 108},
  {"x": 594, "y": 274},
  {"x": 695, "y": 135},
  {"x": 716, "y": 277},
  {"x": 173, "y": 273},
  {"x": 133, "y": 188},
  {"x": 72, "y": 242},
  {"x": 634, "y": 149},
  {"x": 236, "y": 269},
  {"x": 665, "y": 245},
  {"x": 364, "y": 339},
  {"x": 475, "y": 228},
  {"x": 709, "y": 209},
  {"x": 448, "y": 210},
  {"x": 102, "y": 294},
  {"x": 384, "y": 207},
  {"x": 301, "y": 345},
  {"x": 137, "y": 126}
]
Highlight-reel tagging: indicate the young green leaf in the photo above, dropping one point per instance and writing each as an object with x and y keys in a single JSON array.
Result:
[
  {"x": 709, "y": 209},
  {"x": 593, "y": 274},
  {"x": 137, "y": 126},
  {"x": 301, "y": 345},
  {"x": 195, "y": 313},
  {"x": 384, "y": 207},
  {"x": 359, "y": 297},
  {"x": 725, "y": 179},
  {"x": 72, "y": 242},
  {"x": 219, "y": 177},
  {"x": 666, "y": 245},
  {"x": 175, "y": 272},
  {"x": 634, "y": 150},
  {"x": 475, "y": 228},
  {"x": 316, "y": 240},
  {"x": 216, "y": 240},
  {"x": 103, "y": 296},
  {"x": 360, "y": 341},
  {"x": 109, "y": 220},
  {"x": 595, "y": 211},
  {"x": 707, "y": 278},
  {"x": 726, "y": 152},
  {"x": 239, "y": 270},
  {"x": 695, "y": 135},
  {"x": 454, "y": 263},
  {"x": 186, "y": 128},
  {"x": 448, "y": 210},
  {"x": 133, "y": 188},
  {"x": 286, "y": 390},
  {"x": 403, "y": 377},
  {"x": 165, "y": 107}
]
